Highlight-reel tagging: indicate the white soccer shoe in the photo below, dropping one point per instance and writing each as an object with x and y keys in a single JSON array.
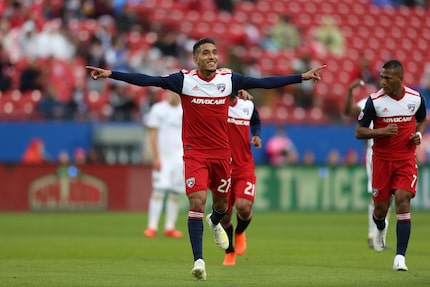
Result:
[
  {"x": 379, "y": 239},
  {"x": 220, "y": 236},
  {"x": 199, "y": 270},
  {"x": 399, "y": 263}
]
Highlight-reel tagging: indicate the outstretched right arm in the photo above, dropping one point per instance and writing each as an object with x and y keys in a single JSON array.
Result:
[
  {"x": 171, "y": 82},
  {"x": 244, "y": 82}
]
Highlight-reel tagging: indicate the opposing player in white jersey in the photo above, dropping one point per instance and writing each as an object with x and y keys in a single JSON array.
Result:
[
  {"x": 205, "y": 94},
  {"x": 164, "y": 122},
  {"x": 352, "y": 109},
  {"x": 243, "y": 121},
  {"x": 399, "y": 121}
]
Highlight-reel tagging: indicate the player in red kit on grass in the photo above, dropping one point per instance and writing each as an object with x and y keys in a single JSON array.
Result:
[
  {"x": 243, "y": 120},
  {"x": 399, "y": 121},
  {"x": 205, "y": 93}
]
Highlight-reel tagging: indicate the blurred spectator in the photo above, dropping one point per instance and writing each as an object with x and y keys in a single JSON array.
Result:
[
  {"x": 95, "y": 53},
  {"x": 167, "y": 43},
  {"x": 185, "y": 57},
  {"x": 103, "y": 33},
  {"x": 126, "y": 18},
  {"x": 95, "y": 56},
  {"x": 152, "y": 96},
  {"x": 6, "y": 70},
  {"x": 117, "y": 54},
  {"x": 225, "y": 5},
  {"x": 29, "y": 44},
  {"x": 304, "y": 93},
  {"x": 35, "y": 152},
  {"x": 309, "y": 158},
  {"x": 101, "y": 8},
  {"x": 281, "y": 149},
  {"x": 395, "y": 3},
  {"x": 50, "y": 10},
  {"x": 311, "y": 45},
  {"x": 267, "y": 41},
  {"x": 55, "y": 42},
  {"x": 79, "y": 156},
  {"x": 87, "y": 8},
  {"x": 70, "y": 10},
  {"x": 31, "y": 77},
  {"x": 94, "y": 156},
  {"x": 285, "y": 34},
  {"x": 16, "y": 12},
  {"x": 252, "y": 35},
  {"x": 333, "y": 158},
  {"x": 330, "y": 36},
  {"x": 424, "y": 88},
  {"x": 145, "y": 61},
  {"x": 77, "y": 107},
  {"x": 8, "y": 40},
  {"x": 63, "y": 158},
  {"x": 364, "y": 71},
  {"x": 351, "y": 158},
  {"x": 50, "y": 107},
  {"x": 123, "y": 106}
]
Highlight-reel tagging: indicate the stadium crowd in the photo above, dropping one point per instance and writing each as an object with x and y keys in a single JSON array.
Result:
[{"x": 45, "y": 46}]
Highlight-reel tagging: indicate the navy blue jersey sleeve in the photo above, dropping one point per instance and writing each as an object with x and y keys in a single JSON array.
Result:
[
  {"x": 367, "y": 114},
  {"x": 173, "y": 82},
  {"x": 255, "y": 123},
  {"x": 421, "y": 113},
  {"x": 244, "y": 82}
]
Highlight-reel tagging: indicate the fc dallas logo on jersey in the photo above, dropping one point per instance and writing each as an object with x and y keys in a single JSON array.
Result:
[
  {"x": 190, "y": 181},
  {"x": 221, "y": 87},
  {"x": 411, "y": 107}
]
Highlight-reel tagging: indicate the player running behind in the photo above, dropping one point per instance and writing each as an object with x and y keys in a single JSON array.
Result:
[{"x": 243, "y": 120}]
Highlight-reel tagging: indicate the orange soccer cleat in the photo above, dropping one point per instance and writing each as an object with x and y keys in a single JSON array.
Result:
[
  {"x": 173, "y": 233},
  {"x": 150, "y": 233},
  {"x": 229, "y": 259},
  {"x": 240, "y": 245}
]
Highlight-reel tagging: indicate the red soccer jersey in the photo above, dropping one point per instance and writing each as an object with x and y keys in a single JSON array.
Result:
[
  {"x": 385, "y": 110},
  {"x": 239, "y": 116},
  {"x": 205, "y": 103}
]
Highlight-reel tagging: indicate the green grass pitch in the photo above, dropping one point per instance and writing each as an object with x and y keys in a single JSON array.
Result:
[{"x": 284, "y": 249}]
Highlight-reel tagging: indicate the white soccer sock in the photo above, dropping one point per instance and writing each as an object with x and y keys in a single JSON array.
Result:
[
  {"x": 155, "y": 208},
  {"x": 372, "y": 225},
  {"x": 172, "y": 210}
]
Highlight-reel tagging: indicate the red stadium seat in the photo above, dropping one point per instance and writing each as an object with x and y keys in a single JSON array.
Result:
[
  {"x": 327, "y": 8},
  {"x": 7, "y": 109}
]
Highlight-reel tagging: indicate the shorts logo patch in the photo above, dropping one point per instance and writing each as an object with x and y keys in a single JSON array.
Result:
[
  {"x": 375, "y": 192},
  {"x": 190, "y": 181}
]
